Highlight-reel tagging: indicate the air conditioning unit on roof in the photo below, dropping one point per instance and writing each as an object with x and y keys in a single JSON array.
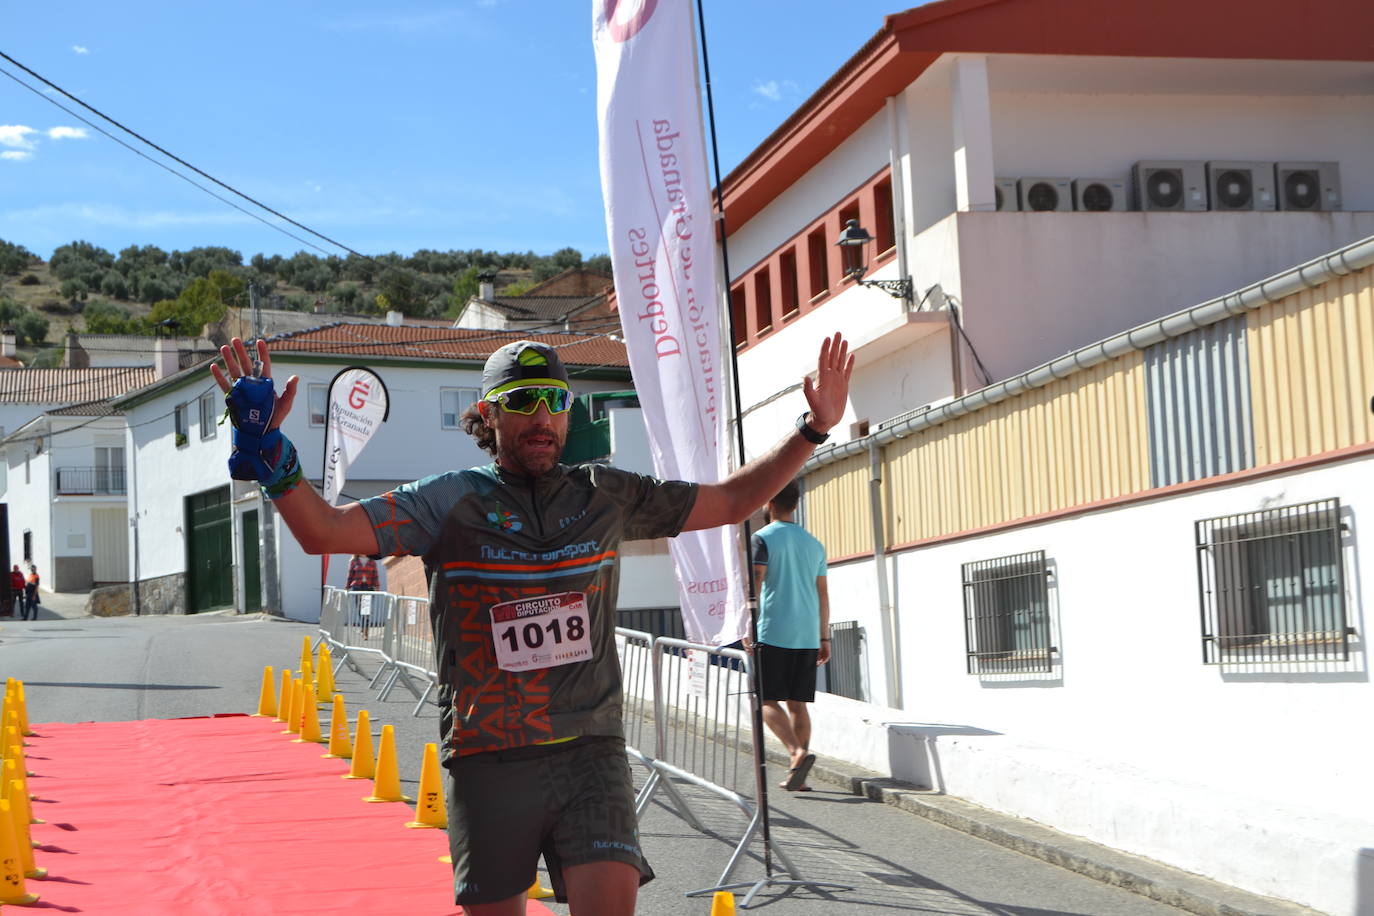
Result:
[
  {"x": 1169, "y": 185},
  {"x": 1099, "y": 194},
  {"x": 1007, "y": 198},
  {"x": 1241, "y": 185},
  {"x": 1046, "y": 194},
  {"x": 1308, "y": 185}
]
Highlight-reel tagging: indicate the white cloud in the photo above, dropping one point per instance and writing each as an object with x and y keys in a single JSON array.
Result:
[
  {"x": 67, "y": 133},
  {"x": 775, "y": 90},
  {"x": 81, "y": 49},
  {"x": 17, "y": 136},
  {"x": 16, "y": 155}
]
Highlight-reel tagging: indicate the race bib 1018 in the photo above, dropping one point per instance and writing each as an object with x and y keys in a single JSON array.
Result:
[{"x": 541, "y": 632}]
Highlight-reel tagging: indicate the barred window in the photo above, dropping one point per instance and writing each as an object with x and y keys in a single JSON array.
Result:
[
  {"x": 1272, "y": 585},
  {"x": 1006, "y": 614}
]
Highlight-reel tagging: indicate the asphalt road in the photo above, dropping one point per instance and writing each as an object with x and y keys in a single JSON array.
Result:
[{"x": 92, "y": 669}]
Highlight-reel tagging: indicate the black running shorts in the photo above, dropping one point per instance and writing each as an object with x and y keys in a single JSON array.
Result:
[
  {"x": 573, "y": 802},
  {"x": 786, "y": 674}
]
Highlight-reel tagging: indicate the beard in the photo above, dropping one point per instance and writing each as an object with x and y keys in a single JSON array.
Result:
[{"x": 534, "y": 452}]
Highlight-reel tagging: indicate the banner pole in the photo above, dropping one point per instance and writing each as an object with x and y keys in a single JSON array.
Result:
[{"x": 755, "y": 682}]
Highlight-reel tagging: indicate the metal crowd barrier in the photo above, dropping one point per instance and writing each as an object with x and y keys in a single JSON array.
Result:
[
  {"x": 395, "y": 628},
  {"x": 410, "y": 649},
  {"x": 704, "y": 694}
]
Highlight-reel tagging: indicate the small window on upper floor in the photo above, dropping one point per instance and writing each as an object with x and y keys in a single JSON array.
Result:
[
  {"x": 884, "y": 229},
  {"x": 318, "y": 397},
  {"x": 818, "y": 259},
  {"x": 209, "y": 414},
  {"x": 181, "y": 421},
  {"x": 787, "y": 273},
  {"x": 452, "y": 403},
  {"x": 737, "y": 306},
  {"x": 763, "y": 301}
]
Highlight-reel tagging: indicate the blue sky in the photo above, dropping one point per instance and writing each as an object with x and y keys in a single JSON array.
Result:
[{"x": 389, "y": 127}]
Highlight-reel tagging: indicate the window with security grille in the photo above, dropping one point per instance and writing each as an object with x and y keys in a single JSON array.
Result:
[
  {"x": 1272, "y": 585},
  {"x": 1006, "y": 614}
]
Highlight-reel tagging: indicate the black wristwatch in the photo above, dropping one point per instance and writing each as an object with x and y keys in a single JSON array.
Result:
[{"x": 809, "y": 434}]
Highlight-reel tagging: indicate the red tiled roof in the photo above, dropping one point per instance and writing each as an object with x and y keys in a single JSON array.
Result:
[
  {"x": 71, "y": 386},
  {"x": 583, "y": 350}
]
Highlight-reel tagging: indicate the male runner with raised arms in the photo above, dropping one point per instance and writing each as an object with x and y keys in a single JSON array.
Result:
[{"x": 521, "y": 557}]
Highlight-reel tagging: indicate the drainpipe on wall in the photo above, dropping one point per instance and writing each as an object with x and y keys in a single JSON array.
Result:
[
  {"x": 887, "y": 614},
  {"x": 267, "y": 563},
  {"x": 894, "y": 158}
]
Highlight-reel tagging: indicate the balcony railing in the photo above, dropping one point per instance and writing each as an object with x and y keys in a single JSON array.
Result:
[{"x": 90, "y": 481}]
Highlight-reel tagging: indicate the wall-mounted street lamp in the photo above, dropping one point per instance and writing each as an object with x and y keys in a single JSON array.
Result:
[{"x": 852, "y": 240}]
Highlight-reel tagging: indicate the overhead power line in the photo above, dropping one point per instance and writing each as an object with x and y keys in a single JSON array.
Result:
[
  {"x": 161, "y": 165},
  {"x": 175, "y": 158}
]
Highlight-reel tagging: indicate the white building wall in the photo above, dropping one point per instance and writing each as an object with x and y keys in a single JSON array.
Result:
[
  {"x": 30, "y": 505},
  {"x": 1256, "y": 780},
  {"x": 162, "y": 475}
]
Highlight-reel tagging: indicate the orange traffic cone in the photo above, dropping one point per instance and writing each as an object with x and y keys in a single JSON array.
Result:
[
  {"x": 364, "y": 767},
  {"x": 19, "y": 814},
  {"x": 723, "y": 904},
  {"x": 386, "y": 785},
  {"x": 11, "y": 864},
  {"x": 430, "y": 810},
  {"x": 307, "y": 656},
  {"x": 538, "y": 891},
  {"x": 293, "y": 712},
  {"x": 339, "y": 745},
  {"x": 267, "y": 700}
]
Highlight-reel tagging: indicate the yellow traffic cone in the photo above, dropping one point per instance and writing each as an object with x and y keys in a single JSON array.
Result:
[
  {"x": 310, "y": 721},
  {"x": 284, "y": 697},
  {"x": 308, "y": 681},
  {"x": 293, "y": 712},
  {"x": 11, "y": 863},
  {"x": 20, "y": 799},
  {"x": 19, "y": 815},
  {"x": 324, "y": 681},
  {"x": 723, "y": 904},
  {"x": 386, "y": 785},
  {"x": 339, "y": 745},
  {"x": 267, "y": 699},
  {"x": 23, "y": 708},
  {"x": 307, "y": 656},
  {"x": 430, "y": 810},
  {"x": 10, "y": 773},
  {"x": 538, "y": 891},
  {"x": 14, "y": 750},
  {"x": 364, "y": 767}
]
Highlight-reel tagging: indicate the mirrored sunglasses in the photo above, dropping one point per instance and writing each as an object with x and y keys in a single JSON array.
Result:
[{"x": 526, "y": 400}]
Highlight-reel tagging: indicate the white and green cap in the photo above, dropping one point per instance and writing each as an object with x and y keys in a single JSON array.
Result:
[{"x": 521, "y": 365}]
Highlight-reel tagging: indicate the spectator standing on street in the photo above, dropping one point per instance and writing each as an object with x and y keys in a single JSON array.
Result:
[
  {"x": 362, "y": 577},
  {"x": 17, "y": 590},
  {"x": 31, "y": 594},
  {"x": 794, "y": 617},
  {"x": 521, "y": 554}
]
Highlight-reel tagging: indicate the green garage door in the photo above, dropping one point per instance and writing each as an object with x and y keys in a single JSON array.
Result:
[{"x": 209, "y": 551}]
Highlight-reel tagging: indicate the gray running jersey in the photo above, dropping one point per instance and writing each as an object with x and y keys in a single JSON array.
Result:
[{"x": 488, "y": 537}]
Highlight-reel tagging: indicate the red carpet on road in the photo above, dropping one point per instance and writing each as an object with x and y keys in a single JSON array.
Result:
[{"x": 225, "y": 815}]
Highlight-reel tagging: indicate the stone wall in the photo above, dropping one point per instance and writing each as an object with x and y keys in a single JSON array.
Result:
[{"x": 163, "y": 595}]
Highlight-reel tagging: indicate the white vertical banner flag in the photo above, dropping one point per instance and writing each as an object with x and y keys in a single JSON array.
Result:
[
  {"x": 662, "y": 242},
  {"x": 358, "y": 404}
]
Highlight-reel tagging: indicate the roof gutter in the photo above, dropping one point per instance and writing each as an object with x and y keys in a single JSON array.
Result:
[{"x": 1314, "y": 273}]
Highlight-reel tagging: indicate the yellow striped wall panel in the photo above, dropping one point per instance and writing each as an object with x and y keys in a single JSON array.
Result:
[
  {"x": 1312, "y": 370},
  {"x": 837, "y": 507}
]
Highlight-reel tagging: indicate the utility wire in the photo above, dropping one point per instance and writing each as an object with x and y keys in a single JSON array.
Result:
[
  {"x": 138, "y": 152},
  {"x": 175, "y": 158}
]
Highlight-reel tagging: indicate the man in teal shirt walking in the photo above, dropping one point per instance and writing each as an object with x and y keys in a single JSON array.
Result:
[{"x": 793, "y": 637}]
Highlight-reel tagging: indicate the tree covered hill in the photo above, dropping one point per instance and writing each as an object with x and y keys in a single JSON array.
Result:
[{"x": 143, "y": 289}]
